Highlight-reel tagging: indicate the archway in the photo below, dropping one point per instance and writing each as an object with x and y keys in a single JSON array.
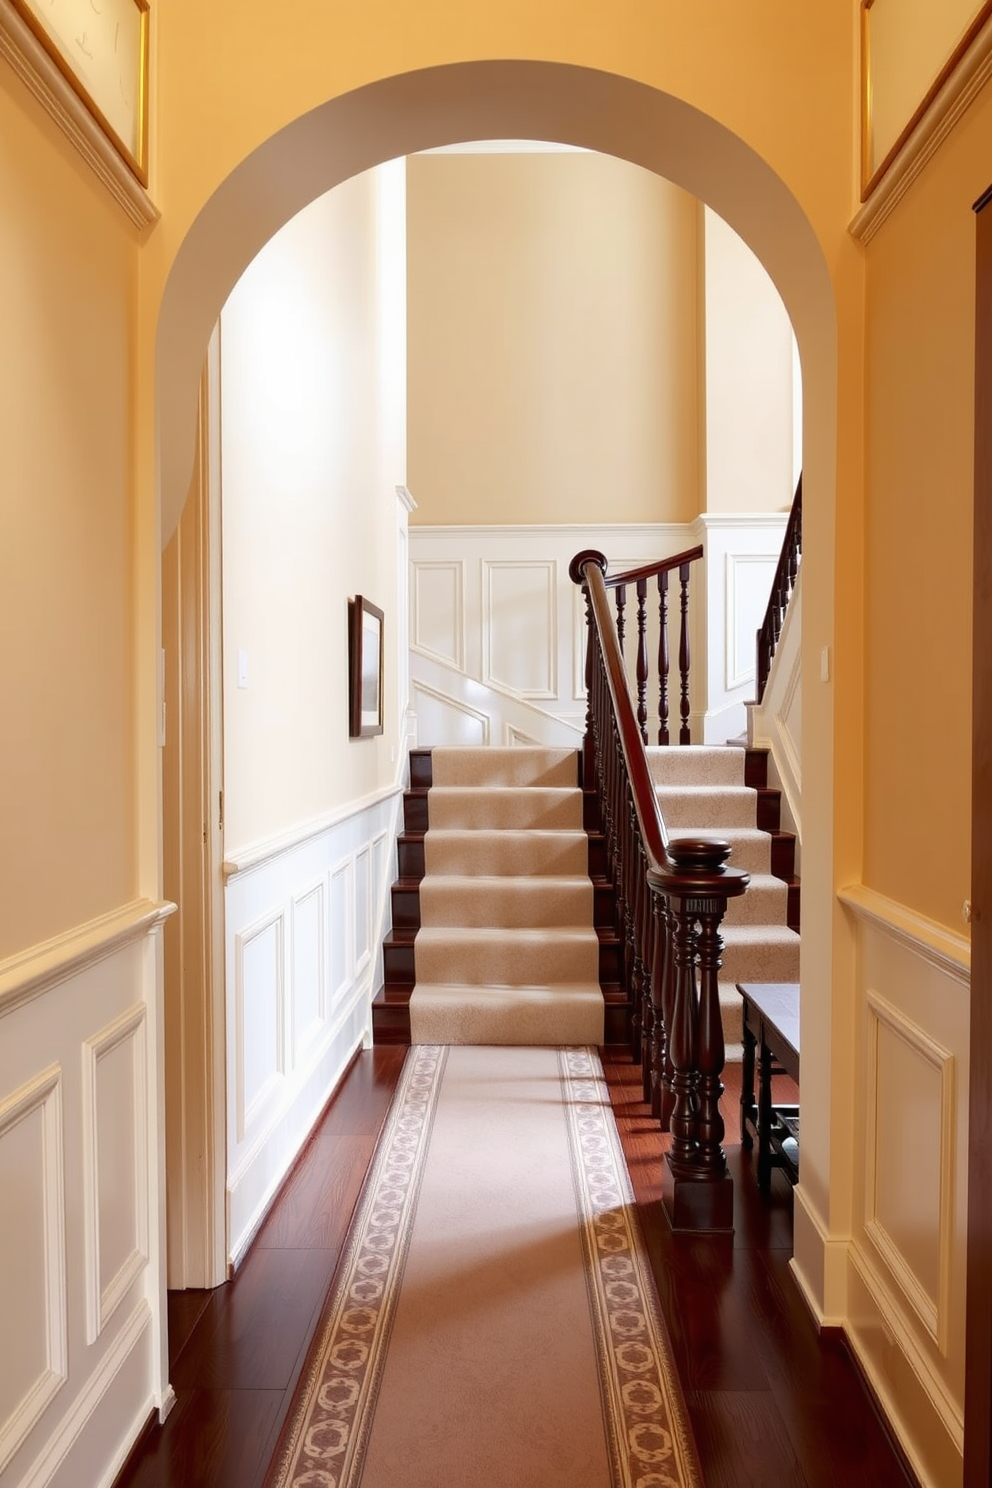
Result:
[{"x": 614, "y": 115}]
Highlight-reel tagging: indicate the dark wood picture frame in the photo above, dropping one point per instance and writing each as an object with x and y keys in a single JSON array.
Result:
[{"x": 365, "y": 669}]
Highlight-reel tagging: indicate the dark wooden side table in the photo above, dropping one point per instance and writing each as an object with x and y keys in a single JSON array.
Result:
[{"x": 771, "y": 1035}]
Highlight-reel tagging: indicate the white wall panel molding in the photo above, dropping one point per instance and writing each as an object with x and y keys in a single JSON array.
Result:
[
  {"x": 749, "y": 579},
  {"x": 308, "y": 966},
  {"x": 534, "y": 560},
  {"x": 945, "y": 950},
  {"x": 520, "y": 626},
  {"x": 443, "y": 718},
  {"x": 740, "y": 551},
  {"x": 776, "y": 722},
  {"x": 38, "y": 1280},
  {"x": 947, "y": 1409},
  {"x": 259, "y": 854},
  {"x": 928, "y": 1064},
  {"x": 342, "y": 927},
  {"x": 259, "y": 1015},
  {"x": 87, "y": 1404},
  {"x": 265, "y": 1162},
  {"x": 37, "y": 970},
  {"x": 41, "y": 74},
  {"x": 115, "y": 1143},
  {"x": 438, "y": 604},
  {"x": 301, "y": 944},
  {"x": 363, "y": 909}
]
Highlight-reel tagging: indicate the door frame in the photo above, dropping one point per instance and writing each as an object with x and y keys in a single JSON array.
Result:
[{"x": 978, "y": 1346}]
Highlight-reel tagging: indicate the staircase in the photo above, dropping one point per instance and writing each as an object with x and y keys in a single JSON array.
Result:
[
  {"x": 500, "y": 935},
  {"x": 723, "y": 792},
  {"x": 503, "y": 927}
]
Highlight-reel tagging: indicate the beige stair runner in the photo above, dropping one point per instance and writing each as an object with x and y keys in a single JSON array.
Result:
[
  {"x": 506, "y": 952},
  {"x": 701, "y": 791}
]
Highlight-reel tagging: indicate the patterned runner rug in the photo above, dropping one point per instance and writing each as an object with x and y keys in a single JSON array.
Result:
[{"x": 493, "y": 1320}]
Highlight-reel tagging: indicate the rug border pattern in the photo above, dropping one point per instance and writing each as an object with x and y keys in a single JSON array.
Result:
[
  {"x": 649, "y": 1441},
  {"x": 328, "y": 1436}
]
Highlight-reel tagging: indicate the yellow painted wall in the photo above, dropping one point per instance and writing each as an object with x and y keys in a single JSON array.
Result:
[
  {"x": 552, "y": 340},
  {"x": 308, "y": 517},
  {"x": 68, "y": 287},
  {"x": 747, "y": 371},
  {"x": 919, "y": 467}
]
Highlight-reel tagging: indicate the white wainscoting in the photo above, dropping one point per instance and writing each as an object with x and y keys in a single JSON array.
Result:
[
  {"x": 740, "y": 554},
  {"x": 494, "y": 615},
  {"x": 82, "y": 1255},
  {"x": 304, "y": 926},
  {"x": 906, "y": 1254},
  {"x": 776, "y": 723}
]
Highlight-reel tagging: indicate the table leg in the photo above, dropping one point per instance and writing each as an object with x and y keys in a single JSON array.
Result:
[
  {"x": 764, "y": 1115},
  {"x": 747, "y": 1086}
]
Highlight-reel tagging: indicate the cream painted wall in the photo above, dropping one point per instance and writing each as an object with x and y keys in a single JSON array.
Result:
[
  {"x": 552, "y": 340},
  {"x": 920, "y": 461},
  {"x": 68, "y": 286},
  {"x": 748, "y": 379},
  {"x": 308, "y": 512}
]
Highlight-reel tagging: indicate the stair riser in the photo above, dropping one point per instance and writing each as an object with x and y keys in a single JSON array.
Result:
[
  {"x": 493, "y": 905},
  {"x": 407, "y": 913},
  {"x": 773, "y": 963},
  {"x": 507, "y": 964},
  {"x": 519, "y": 810},
  {"x": 513, "y": 854},
  {"x": 401, "y": 966}
]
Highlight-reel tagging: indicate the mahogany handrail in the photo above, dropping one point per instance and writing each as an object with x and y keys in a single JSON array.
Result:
[
  {"x": 639, "y": 577},
  {"x": 782, "y": 586},
  {"x": 671, "y": 897}
]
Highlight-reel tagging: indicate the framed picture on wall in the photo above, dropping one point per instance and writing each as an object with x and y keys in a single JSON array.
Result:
[{"x": 365, "y": 668}]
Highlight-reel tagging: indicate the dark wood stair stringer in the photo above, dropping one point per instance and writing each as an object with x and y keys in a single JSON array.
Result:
[{"x": 769, "y": 819}]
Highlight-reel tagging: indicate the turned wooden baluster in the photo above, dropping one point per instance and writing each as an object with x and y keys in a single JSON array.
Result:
[
  {"x": 663, "y": 991},
  {"x": 621, "y": 601},
  {"x": 684, "y": 652},
  {"x": 682, "y": 1042},
  {"x": 647, "y": 939},
  {"x": 642, "y": 658},
  {"x": 711, "y": 1052},
  {"x": 663, "y": 662}
]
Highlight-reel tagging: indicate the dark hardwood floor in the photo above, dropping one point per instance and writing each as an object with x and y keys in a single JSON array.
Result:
[{"x": 772, "y": 1404}]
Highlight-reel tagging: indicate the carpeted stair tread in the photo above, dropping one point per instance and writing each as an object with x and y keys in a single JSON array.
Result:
[
  {"x": 696, "y": 764},
  {"x": 759, "y": 953},
  {"x": 516, "y": 766},
  {"x": 709, "y": 807},
  {"x": 512, "y": 852},
  {"x": 765, "y": 903},
  {"x": 507, "y": 957},
  {"x": 508, "y": 900},
  {"x": 502, "y": 807},
  {"x": 455, "y": 1013}
]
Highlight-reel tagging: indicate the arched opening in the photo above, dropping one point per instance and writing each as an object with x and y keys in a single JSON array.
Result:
[{"x": 612, "y": 115}]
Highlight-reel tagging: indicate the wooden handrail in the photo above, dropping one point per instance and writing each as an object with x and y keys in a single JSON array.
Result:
[
  {"x": 671, "y": 897},
  {"x": 648, "y": 570},
  {"x": 782, "y": 586},
  {"x": 659, "y": 571}
]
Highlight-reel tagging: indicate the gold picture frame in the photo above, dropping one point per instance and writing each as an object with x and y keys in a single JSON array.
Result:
[
  {"x": 104, "y": 54},
  {"x": 875, "y": 157}
]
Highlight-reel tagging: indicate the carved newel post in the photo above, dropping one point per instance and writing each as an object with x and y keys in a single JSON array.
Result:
[{"x": 697, "y": 1190}]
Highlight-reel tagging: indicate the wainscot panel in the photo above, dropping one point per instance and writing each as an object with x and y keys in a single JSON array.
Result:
[
  {"x": 907, "y": 1262},
  {"x": 304, "y": 916},
  {"x": 82, "y": 1278}
]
